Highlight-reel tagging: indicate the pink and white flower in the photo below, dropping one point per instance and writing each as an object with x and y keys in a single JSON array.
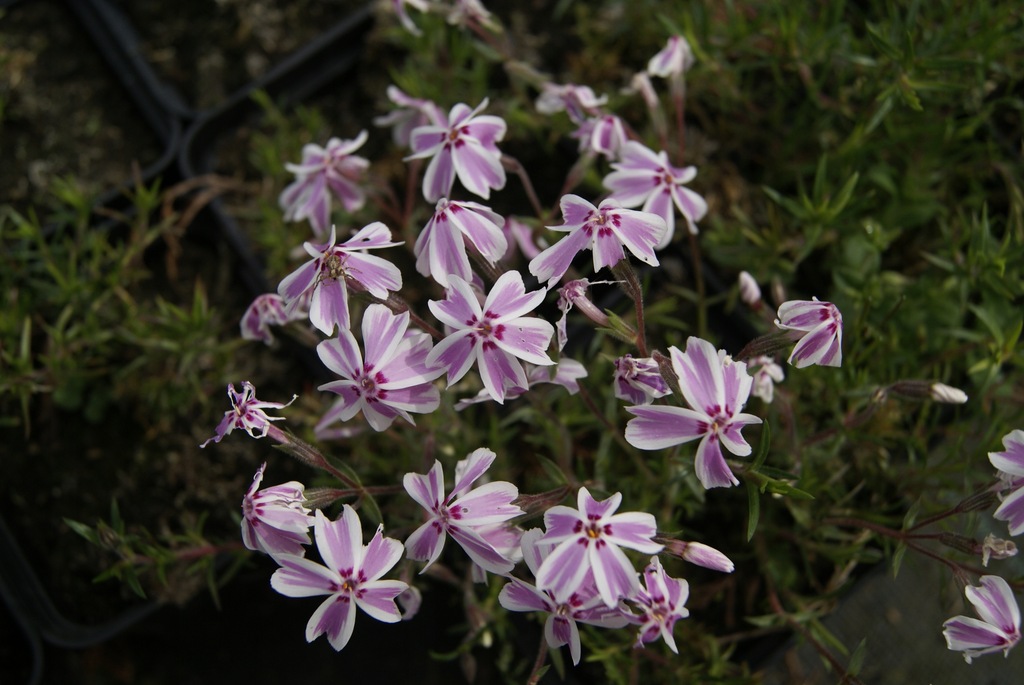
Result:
[
  {"x": 565, "y": 373},
  {"x": 392, "y": 380},
  {"x": 818, "y": 326},
  {"x": 583, "y": 605},
  {"x": 999, "y": 627},
  {"x": 275, "y": 520},
  {"x": 646, "y": 178},
  {"x": 441, "y": 247},
  {"x": 409, "y": 114},
  {"x": 579, "y": 102},
  {"x": 350, "y": 577},
  {"x": 604, "y": 134},
  {"x": 1011, "y": 471},
  {"x": 495, "y": 336},
  {"x": 638, "y": 380},
  {"x": 463, "y": 513},
  {"x": 675, "y": 58},
  {"x": 325, "y": 278},
  {"x": 323, "y": 171},
  {"x": 590, "y": 539},
  {"x": 265, "y": 311},
  {"x": 463, "y": 145},
  {"x": 716, "y": 388},
  {"x": 662, "y": 601},
  {"x": 606, "y": 230},
  {"x": 246, "y": 413},
  {"x": 766, "y": 374}
]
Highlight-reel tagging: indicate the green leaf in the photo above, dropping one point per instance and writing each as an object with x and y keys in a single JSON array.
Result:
[
  {"x": 897, "y": 558},
  {"x": 83, "y": 530},
  {"x": 553, "y": 470},
  {"x": 371, "y": 509},
  {"x": 857, "y": 660},
  {"x": 763, "y": 446},
  {"x": 753, "y": 509}
]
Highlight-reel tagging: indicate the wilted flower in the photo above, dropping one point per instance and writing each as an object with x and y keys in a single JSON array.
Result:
[
  {"x": 583, "y": 605},
  {"x": 441, "y": 247},
  {"x": 716, "y": 388},
  {"x": 589, "y": 539},
  {"x": 393, "y": 379},
  {"x": 999, "y": 627},
  {"x": 462, "y": 513},
  {"x": 766, "y": 374},
  {"x": 661, "y": 600},
  {"x": 579, "y": 102},
  {"x": 350, "y": 576},
  {"x": 463, "y": 145},
  {"x": 574, "y": 293},
  {"x": 565, "y": 373},
  {"x": 324, "y": 278},
  {"x": 275, "y": 520},
  {"x": 1011, "y": 470},
  {"x": 323, "y": 171},
  {"x": 495, "y": 336},
  {"x": 996, "y": 548},
  {"x": 606, "y": 230},
  {"x": 246, "y": 413},
  {"x": 818, "y": 326},
  {"x": 646, "y": 178}
]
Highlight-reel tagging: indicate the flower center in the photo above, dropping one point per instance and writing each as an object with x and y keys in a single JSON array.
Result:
[{"x": 334, "y": 267}]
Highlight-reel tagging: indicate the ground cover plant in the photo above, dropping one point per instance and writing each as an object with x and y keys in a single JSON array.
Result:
[{"x": 648, "y": 328}]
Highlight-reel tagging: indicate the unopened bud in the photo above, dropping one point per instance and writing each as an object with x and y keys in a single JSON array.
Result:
[
  {"x": 697, "y": 553},
  {"x": 960, "y": 542},
  {"x": 996, "y": 548},
  {"x": 940, "y": 392},
  {"x": 750, "y": 291}
]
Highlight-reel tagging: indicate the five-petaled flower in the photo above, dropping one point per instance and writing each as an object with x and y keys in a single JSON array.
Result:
[
  {"x": 275, "y": 520},
  {"x": 463, "y": 513},
  {"x": 464, "y": 145},
  {"x": 1011, "y": 471},
  {"x": 584, "y": 605},
  {"x": 646, "y": 178},
  {"x": 441, "y": 247},
  {"x": 323, "y": 171},
  {"x": 818, "y": 326},
  {"x": 590, "y": 538},
  {"x": 606, "y": 230},
  {"x": 999, "y": 627},
  {"x": 265, "y": 311},
  {"x": 350, "y": 576},
  {"x": 638, "y": 380},
  {"x": 661, "y": 600},
  {"x": 325, "y": 277},
  {"x": 716, "y": 388},
  {"x": 246, "y": 413},
  {"x": 496, "y": 335},
  {"x": 393, "y": 379}
]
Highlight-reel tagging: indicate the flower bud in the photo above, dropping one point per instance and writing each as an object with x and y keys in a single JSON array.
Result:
[
  {"x": 697, "y": 553},
  {"x": 940, "y": 392},
  {"x": 750, "y": 292}
]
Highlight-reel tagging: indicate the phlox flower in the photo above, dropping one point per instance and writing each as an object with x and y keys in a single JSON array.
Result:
[
  {"x": 672, "y": 60},
  {"x": 590, "y": 538},
  {"x": 644, "y": 177},
  {"x": 605, "y": 230},
  {"x": 565, "y": 373},
  {"x": 661, "y": 600},
  {"x": 574, "y": 293},
  {"x": 638, "y": 380},
  {"x": 579, "y": 102},
  {"x": 350, "y": 576},
  {"x": 246, "y": 413},
  {"x": 999, "y": 627},
  {"x": 583, "y": 605},
  {"x": 766, "y": 374},
  {"x": 462, "y": 513},
  {"x": 324, "y": 279},
  {"x": 604, "y": 134},
  {"x": 265, "y": 311},
  {"x": 1011, "y": 470},
  {"x": 441, "y": 247},
  {"x": 323, "y": 171},
  {"x": 716, "y": 388},
  {"x": 495, "y": 336},
  {"x": 818, "y": 326},
  {"x": 275, "y": 520},
  {"x": 463, "y": 145},
  {"x": 403, "y": 17},
  {"x": 410, "y": 114},
  {"x": 393, "y": 379}
]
